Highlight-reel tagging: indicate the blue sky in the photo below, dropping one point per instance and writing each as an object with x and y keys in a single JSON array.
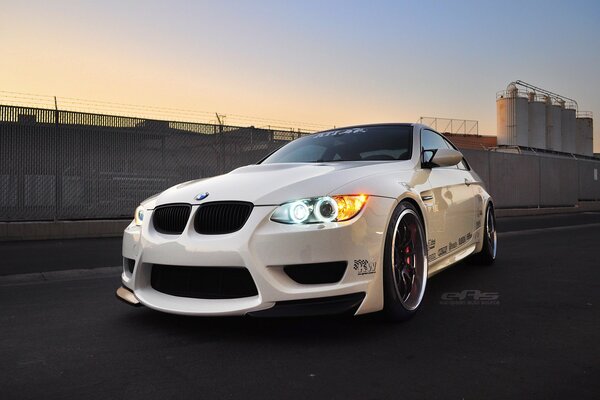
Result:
[{"x": 327, "y": 62}]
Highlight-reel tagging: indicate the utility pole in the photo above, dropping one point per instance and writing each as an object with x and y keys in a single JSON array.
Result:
[
  {"x": 55, "y": 111},
  {"x": 221, "y": 119}
]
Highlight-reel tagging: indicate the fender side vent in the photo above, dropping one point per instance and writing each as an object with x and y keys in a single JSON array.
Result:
[{"x": 128, "y": 265}]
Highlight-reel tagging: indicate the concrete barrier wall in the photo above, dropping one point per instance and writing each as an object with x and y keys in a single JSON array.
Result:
[
  {"x": 514, "y": 179},
  {"x": 558, "y": 181},
  {"x": 589, "y": 180},
  {"x": 518, "y": 180}
]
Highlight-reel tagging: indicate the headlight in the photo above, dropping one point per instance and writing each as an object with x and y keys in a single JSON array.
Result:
[
  {"x": 320, "y": 209},
  {"x": 349, "y": 206},
  {"x": 139, "y": 215}
]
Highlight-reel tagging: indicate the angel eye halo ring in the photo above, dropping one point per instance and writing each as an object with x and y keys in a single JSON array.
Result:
[
  {"x": 138, "y": 216},
  {"x": 320, "y": 209}
]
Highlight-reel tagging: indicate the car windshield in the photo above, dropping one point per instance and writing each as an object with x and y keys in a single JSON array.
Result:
[{"x": 365, "y": 143}]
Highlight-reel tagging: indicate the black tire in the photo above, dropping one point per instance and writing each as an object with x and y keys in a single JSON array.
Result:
[
  {"x": 405, "y": 246},
  {"x": 488, "y": 252}
]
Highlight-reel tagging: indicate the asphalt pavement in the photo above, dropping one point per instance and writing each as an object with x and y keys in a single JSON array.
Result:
[{"x": 526, "y": 327}]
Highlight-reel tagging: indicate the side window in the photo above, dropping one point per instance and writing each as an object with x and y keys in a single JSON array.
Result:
[
  {"x": 432, "y": 141},
  {"x": 461, "y": 165}
]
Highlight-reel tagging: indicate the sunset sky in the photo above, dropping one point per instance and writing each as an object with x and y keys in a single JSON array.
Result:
[{"x": 322, "y": 62}]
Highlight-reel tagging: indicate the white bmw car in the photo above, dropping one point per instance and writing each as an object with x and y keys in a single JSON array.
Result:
[{"x": 352, "y": 220}]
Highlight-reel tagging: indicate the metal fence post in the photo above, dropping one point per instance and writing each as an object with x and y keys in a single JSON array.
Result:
[
  {"x": 540, "y": 182},
  {"x": 57, "y": 177}
]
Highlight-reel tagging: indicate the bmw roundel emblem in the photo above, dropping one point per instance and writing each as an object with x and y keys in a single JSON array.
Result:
[{"x": 202, "y": 196}]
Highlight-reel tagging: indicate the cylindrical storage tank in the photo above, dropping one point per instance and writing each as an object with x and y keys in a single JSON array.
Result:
[
  {"x": 512, "y": 116},
  {"x": 584, "y": 136},
  {"x": 554, "y": 119},
  {"x": 537, "y": 124},
  {"x": 504, "y": 120},
  {"x": 549, "y": 122},
  {"x": 567, "y": 126},
  {"x": 522, "y": 119}
]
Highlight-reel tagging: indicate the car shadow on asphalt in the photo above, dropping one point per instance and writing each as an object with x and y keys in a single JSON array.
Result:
[{"x": 246, "y": 328}]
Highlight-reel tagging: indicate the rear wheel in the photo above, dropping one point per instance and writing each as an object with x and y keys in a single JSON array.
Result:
[
  {"x": 405, "y": 263},
  {"x": 487, "y": 255}
]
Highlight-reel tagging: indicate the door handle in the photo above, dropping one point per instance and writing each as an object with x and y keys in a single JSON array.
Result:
[{"x": 468, "y": 182}]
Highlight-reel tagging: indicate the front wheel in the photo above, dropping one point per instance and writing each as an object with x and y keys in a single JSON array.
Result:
[{"x": 405, "y": 263}]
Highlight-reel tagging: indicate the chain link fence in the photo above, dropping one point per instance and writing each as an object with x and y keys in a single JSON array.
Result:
[{"x": 66, "y": 165}]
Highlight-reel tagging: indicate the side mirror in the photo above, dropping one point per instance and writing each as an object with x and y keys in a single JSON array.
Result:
[{"x": 441, "y": 158}]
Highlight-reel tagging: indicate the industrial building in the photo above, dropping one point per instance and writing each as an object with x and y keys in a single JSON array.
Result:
[
  {"x": 533, "y": 118},
  {"x": 472, "y": 142}
]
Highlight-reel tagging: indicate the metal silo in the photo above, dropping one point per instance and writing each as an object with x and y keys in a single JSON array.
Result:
[
  {"x": 584, "y": 136},
  {"x": 528, "y": 115},
  {"x": 522, "y": 119},
  {"x": 512, "y": 116},
  {"x": 549, "y": 122},
  {"x": 537, "y": 122},
  {"x": 501, "y": 127},
  {"x": 553, "y": 120},
  {"x": 568, "y": 128}
]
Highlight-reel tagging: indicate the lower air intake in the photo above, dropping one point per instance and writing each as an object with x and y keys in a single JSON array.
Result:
[{"x": 203, "y": 282}]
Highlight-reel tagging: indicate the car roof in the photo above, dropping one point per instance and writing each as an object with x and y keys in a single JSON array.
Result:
[{"x": 369, "y": 125}]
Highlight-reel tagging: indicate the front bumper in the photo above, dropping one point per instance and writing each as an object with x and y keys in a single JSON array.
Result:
[{"x": 264, "y": 248}]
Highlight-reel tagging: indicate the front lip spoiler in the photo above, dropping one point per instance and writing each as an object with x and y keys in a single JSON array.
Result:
[
  {"x": 344, "y": 304},
  {"x": 127, "y": 296}
]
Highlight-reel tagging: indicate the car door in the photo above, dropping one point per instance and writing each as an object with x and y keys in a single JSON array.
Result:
[
  {"x": 473, "y": 212},
  {"x": 450, "y": 203}
]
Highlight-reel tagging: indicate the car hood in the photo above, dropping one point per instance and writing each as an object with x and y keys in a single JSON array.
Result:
[{"x": 273, "y": 184}]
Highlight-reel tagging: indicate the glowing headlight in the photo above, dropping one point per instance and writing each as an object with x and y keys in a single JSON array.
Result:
[
  {"x": 299, "y": 212},
  {"x": 138, "y": 217},
  {"x": 320, "y": 209},
  {"x": 326, "y": 209}
]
